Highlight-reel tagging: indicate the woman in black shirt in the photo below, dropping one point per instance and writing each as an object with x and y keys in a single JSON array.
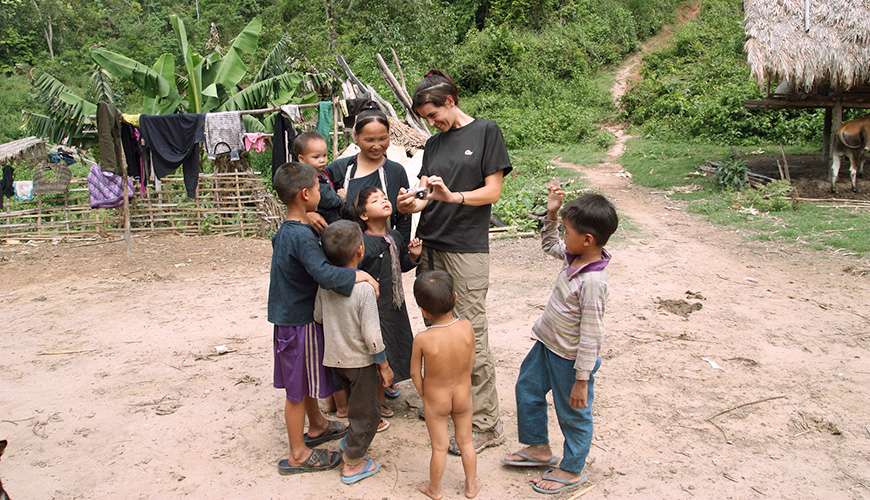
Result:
[
  {"x": 463, "y": 168},
  {"x": 372, "y": 168}
]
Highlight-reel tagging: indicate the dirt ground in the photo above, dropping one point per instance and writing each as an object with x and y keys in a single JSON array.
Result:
[
  {"x": 108, "y": 388},
  {"x": 732, "y": 369}
]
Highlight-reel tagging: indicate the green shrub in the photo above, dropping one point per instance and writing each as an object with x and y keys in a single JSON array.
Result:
[
  {"x": 695, "y": 89},
  {"x": 731, "y": 174},
  {"x": 774, "y": 196}
]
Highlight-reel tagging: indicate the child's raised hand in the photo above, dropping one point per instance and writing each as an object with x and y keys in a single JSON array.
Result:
[
  {"x": 415, "y": 249},
  {"x": 555, "y": 195}
]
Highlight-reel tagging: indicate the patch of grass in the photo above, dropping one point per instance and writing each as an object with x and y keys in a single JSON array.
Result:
[
  {"x": 525, "y": 189},
  {"x": 667, "y": 165}
]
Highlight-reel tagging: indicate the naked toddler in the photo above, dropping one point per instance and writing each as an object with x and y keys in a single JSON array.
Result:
[{"x": 441, "y": 361}]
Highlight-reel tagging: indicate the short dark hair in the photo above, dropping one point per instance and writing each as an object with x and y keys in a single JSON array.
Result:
[
  {"x": 592, "y": 214},
  {"x": 434, "y": 88},
  {"x": 302, "y": 140},
  {"x": 355, "y": 210},
  {"x": 370, "y": 115},
  {"x": 433, "y": 291},
  {"x": 340, "y": 241},
  {"x": 291, "y": 178}
]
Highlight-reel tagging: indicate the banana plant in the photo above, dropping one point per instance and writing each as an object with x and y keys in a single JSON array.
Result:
[{"x": 213, "y": 82}]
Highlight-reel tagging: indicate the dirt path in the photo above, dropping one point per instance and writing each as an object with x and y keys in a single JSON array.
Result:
[{"x": 109, "y": 387}]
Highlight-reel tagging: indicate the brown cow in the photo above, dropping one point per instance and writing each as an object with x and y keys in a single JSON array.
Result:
[{"x": 853, "y": 137}]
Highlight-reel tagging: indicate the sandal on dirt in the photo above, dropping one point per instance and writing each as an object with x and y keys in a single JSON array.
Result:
[
  {"x": 387, "y": 412},
  {"x": 383, "y": 425},
  {"x": 566, "y": 484},
  {"x": 334, "y": 430},
  {"x": 369, "y": 470},
  {"x": 392, "y": 393},
  {"x": 528, "y": 460},
  {"x": 319, "y": 460}
]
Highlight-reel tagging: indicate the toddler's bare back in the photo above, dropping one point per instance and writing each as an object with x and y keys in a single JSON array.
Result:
[{"x": 448, "y": 356}]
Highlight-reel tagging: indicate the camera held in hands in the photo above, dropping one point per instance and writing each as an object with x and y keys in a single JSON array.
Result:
[{"x": 420, "y": 192}]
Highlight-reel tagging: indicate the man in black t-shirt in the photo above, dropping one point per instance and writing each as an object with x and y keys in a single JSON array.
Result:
[{"x": 463, "y": 170}]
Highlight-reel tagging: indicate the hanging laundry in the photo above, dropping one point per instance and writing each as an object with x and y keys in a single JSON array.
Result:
[
  {"x": 224, "y": 134},
  {"x": 131, "y": 119},
  {"x": 282, "y": 142},
  {"x": 109, "y": 138},
  {"x": 173, "y": 140},
  {"x": 7, "y": 189},
  {"x": 293, "y": 112},
  {"x": 106, "y": 189},
  {"x": 23, "y": 190},
  {"x": 256, "y": 141},
  {"x": 324, "y": 121},
  {"x": 133, "y": 154}
]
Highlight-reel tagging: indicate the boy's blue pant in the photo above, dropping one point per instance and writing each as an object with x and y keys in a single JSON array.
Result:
[{"x": 541, "y": 372}]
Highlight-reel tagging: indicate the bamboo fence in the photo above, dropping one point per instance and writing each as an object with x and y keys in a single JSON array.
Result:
[{"x": 227, "y": 203}]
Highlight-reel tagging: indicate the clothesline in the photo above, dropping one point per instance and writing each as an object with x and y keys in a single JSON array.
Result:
[{"x": 264, "y": 111}]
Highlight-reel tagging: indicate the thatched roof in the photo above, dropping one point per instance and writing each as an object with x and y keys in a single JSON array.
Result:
[{"x": 834, "y": 51}]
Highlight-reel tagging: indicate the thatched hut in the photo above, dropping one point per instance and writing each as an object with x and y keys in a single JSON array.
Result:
[{"x": 817, "y": 52}]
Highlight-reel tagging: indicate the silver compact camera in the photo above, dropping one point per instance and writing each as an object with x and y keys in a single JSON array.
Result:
[{"x": 420, "y": 192}]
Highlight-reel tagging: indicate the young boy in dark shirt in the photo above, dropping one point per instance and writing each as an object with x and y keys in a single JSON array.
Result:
[{"x": 298, "y": 267}]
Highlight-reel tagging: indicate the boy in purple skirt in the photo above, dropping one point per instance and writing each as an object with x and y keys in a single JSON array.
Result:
[{"x": 298, "y": 267}]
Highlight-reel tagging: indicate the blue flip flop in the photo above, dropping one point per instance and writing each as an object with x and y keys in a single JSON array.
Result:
[
  {"x": 566, "y": 485},
  {"x": 391, "y": 393},
  {"x": 369, "y": 470}
]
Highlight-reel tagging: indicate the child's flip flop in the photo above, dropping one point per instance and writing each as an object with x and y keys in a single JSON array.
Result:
[
  {"x": 319, "y": 460},
  {"x": 334, "y": 430},
  {"x": 369, "y": 470},
  {"x": 566, "y": 484},
  {"x": 392, "y": 393},
  {"x": 529, "y": 461}
]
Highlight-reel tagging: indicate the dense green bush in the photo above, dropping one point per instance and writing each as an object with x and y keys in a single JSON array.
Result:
[{"x": 695, "y": 89}]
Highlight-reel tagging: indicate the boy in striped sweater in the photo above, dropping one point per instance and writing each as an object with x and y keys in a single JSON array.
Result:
[{"x": 564, "y": 358}]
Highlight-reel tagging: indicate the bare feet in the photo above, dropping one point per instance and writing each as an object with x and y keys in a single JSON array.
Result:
[
  {"x": 472, "y": 489},
  {"x": 426, "y": 490}
]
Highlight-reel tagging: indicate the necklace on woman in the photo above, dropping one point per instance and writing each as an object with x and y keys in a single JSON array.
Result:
[{"x": 445, "y": 325}]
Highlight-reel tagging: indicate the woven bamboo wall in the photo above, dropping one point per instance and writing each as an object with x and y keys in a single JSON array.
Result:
[{"x": 227, "y": 203}]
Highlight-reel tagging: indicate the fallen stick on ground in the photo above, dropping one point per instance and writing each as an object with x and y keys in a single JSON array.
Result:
[
  {"x": 583, "y": 492},
  {"x": 59, "y": 353},
  {"x": 729, "y": 410}
]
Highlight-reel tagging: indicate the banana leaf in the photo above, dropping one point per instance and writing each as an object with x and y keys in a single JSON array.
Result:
[
  {"x": 194, "y": 69},
  {"x": 63, "y": 105},
  {"x": 232, "y": 68},
  {"x": 150, "y": 82},
  {"x": 276, "y": 90},
  {"x": 276, "y": 61}
]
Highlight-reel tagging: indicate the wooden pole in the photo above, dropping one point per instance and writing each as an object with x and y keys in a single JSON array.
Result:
[
  {"x": 399, "y": 69},
  {"x": 401, "y": 94},
  {"x": 836, "y": 122},
  {"x": 826, "y": 136},
  {"x": 335, "y": 118},
  {"x": 128, "y": 237}
]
